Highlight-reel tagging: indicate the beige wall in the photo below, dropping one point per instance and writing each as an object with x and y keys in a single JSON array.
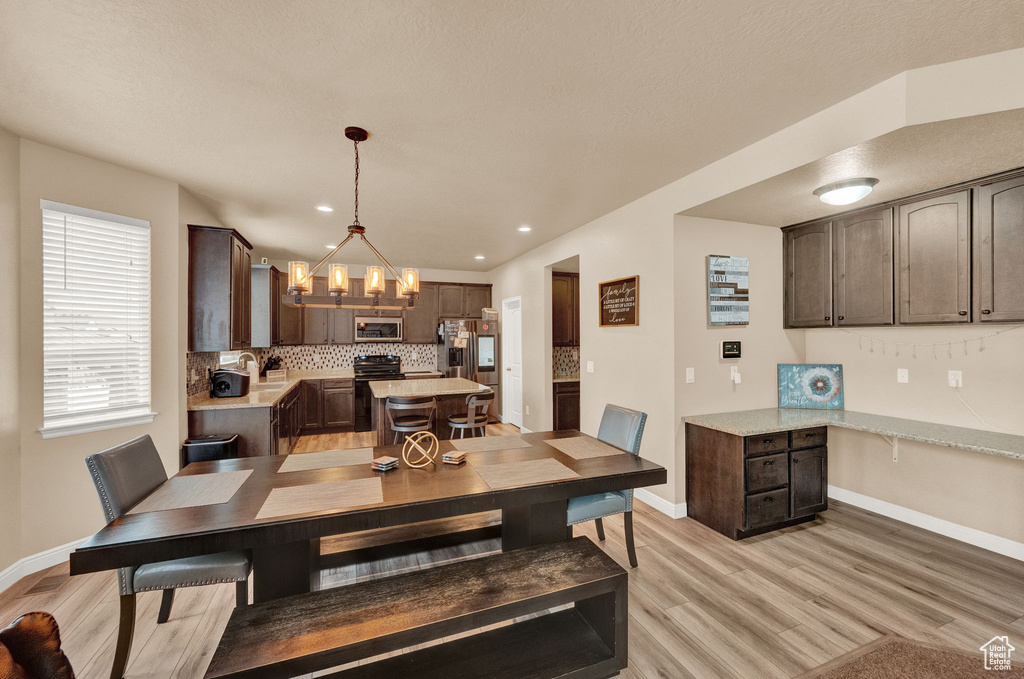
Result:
[
  {"x": 59, "y": 503},
  {"x": 10, "y": 445}
]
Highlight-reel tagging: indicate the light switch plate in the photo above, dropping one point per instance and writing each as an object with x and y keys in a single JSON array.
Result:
[
  {"x": 902, "y": 375},
  {"x": 689, "y": 376},
  {"x": 526, "y": 410},
  {"x": 590, "y": 366},
  {"x": 955, "y": 378}
]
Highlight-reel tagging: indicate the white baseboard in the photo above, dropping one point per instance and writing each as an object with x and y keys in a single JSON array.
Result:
[
  {"x": 972, "y": 536},
  {"x": 661, "y": 504},
  {"x": 36, "y": 562},
  {"x": 524, "y": 430}
]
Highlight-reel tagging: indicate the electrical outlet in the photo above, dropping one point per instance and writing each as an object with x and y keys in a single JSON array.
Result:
[
  {"x": 902, "y": 375},
  {"x": 689, "y": 376},
  {"x": 526, "y": 410},
  {"x": 955, "y": 378}
]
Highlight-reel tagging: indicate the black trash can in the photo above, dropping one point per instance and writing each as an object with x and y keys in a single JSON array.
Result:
[{"x": 209, "y": 447}]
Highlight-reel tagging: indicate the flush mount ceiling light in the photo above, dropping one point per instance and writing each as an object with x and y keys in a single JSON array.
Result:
[
  {"x": 325, "y": 208},
  {"x": 845, "y": 192},
  {"x": 479, "y": 257},
  {"x": 300, "y": 275},
  {"x": 524, "y": 228}
]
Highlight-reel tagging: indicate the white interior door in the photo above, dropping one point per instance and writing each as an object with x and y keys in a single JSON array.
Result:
[{"x": 512, "y": 360}]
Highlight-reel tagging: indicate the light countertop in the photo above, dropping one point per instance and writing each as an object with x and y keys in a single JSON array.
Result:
[
  {"x": 767, "y": 420},
  {"x": 445, "y": 386},
  {"x": 557, "y": 379}
]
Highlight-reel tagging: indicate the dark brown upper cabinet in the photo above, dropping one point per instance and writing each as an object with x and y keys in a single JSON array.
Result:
[
  {"x": 462, "y": 300},
  {"x": 289, "y": 318},
  {"x": 219, "y": 308},
  {"x": 276, "y": 292},
  {"x": 314, "y": 326},
  {"x": 999, "y": 252},
  {"x": 808, "y": 275},
  {"x": 478, "y": 298},
  {"x": 264, "y": 306},
  {"x": 934, "y": 257},
  {"x": 862, "y": 247},
  {"x": 565, "y": 309},
  {"x": 420, "y": 324}
]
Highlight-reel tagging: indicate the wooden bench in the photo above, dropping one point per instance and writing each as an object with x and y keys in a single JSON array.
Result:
[{"x": 315, "y": 631}]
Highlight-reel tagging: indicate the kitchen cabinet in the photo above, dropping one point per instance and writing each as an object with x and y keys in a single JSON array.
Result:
[
  {"x": 219, "y": 306},
  {"x": 565, "y": 310},
  {"x": 566, "y": 397},
  {"x": 808, "y": 275},
  {"x": 934, "y": 258},
  {"x": 420, "y": 323},
  {"x": 312, "y": 404},
  {"x": 462, "y": 300},
  {"x": 272, "y": 430},
  {"x": 264, "y": 306},
  {"x": 744, "y": 486},
  {"x": 478, "y": 298},
  {"x": 314, "y": 325},
  {"x": 999, "y": 251},
  {"x": 338, "y": 403},
  {"x": 863, "y": 257},
  {"x": 290, "y": 319},
  {"x": 276, "y": 291}
]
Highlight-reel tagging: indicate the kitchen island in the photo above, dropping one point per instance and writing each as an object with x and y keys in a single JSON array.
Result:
[{"x": 450, "y": 392}]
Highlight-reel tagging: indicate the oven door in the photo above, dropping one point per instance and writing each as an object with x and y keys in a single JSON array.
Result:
[{"x": 378, "y": 329}]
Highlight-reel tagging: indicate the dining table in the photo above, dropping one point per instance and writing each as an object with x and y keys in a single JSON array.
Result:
[{"x": 284, "y": 505}]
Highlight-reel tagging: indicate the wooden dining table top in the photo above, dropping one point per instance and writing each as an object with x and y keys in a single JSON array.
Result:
[{"x": 409, "y": 495}]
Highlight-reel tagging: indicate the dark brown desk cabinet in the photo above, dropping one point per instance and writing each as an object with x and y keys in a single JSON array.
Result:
[
  {"x": 565, "y": 309},
  {"x": 999, "y": 251},
  {"x": 566, "y": 405},
  {"x": 219, "y": 309},
  {"x": 807, "y": 267},
  {"x": 743, "y": 486}
]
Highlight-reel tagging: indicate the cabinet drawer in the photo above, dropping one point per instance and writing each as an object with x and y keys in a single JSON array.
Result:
[
  {"x": 764, "y": 509},
  {"x": 808, "y": 438},
  {"x": 767, "y": 471},
  {"x": 767, "y": 443},
  {"x": 338, "y": 384}
]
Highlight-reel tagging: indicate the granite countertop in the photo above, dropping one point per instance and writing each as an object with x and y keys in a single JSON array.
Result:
[
  {"x": 767, "y": 420},
  {"x": 445, "y": 386},
  {"x": 566, "y": 378},
  {"x": 266, "y": 398}
]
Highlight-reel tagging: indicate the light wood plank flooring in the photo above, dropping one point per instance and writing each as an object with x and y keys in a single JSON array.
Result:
[
  {"x": 701, "y": 605},
  {"x": 315, "y": 443}
]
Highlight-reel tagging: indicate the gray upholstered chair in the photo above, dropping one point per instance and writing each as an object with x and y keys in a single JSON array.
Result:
[
  {"x": 421, "y": 411},
  {"x": 472, "y": 419},
  {"x": 622, "y": 428},
  {"x": 123, "y": 476}
]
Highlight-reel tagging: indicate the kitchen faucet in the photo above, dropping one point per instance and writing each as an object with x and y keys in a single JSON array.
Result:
[{"x": 240, "y": 365}]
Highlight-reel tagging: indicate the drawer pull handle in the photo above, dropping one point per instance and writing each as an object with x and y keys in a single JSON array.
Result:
[
  {"x": 770, "y": 498},
  {"x": 963, "y": 313},
  {"x": 986, "y": 311},
  {"x": 768, "y": 441},
  {"x": 768, "y": 463}
]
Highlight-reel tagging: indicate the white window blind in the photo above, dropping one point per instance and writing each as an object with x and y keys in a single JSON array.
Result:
[{"x": 96, "y": 320}]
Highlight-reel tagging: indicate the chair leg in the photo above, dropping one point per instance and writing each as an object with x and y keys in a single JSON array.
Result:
[
  {"x": 242, "y": 592},
  {"x": 452, "y": 434},
  {"x": 396, "y": 438},
  {"x": 627, "y": 517},
  {"x": 600, "y": 528},
  {"x": 165, "y": 606},
  {"x": 125, "y": 631}
]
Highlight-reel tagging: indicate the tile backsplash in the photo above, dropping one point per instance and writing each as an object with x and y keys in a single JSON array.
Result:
[
  {"x": 565, "y": 360},
  {"x": 197, "y": 365}
]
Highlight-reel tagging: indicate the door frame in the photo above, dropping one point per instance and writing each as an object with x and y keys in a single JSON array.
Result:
[{"x": 507, "y": 305}]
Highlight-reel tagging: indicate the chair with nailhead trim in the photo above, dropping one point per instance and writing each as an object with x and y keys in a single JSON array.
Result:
[
  {"x": 622, "y": 428},
  {"x": 123, "y": 476}
]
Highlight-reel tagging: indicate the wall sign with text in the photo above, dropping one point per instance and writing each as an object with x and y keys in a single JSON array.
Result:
[
  {"x": 620, "y": 302},
  {"x": 728, "y": 290}
]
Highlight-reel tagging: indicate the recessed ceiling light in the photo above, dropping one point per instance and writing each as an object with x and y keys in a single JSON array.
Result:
[
  {"x": 524, "y": 228},
  {"x": 479, "y": 257},
  {"x": 331, "y": 247},
  {"x": 325, "y": 208},
  {"x": 846, "y": 192}
]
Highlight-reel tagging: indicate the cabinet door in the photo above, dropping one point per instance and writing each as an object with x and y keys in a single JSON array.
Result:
[
  {"x": 450, "y": 302},
  {"x": 567, "y": 409},
  {"x": 478, "y": 298},
  {"x": 275, "y": 307},
  {"x": 1001, "y": 251},
  {"x": 246, "y": 316},
  {"x": 339, "y": 407},
  {"x": 311, "y": 404},
  {"x": 342, "y": 324},
  {"x": 275, "y": 433},
  {"x": 290, "y": 319},
  {"x": 562, "y": 330},
  {"x": 420, "y": 325},
  {"x": 808, "y": 269},
  {"x": 314, "y": 327},
  {"x": 862, "y": 248},
  {"x": 575, "y": 311},
  {"x": 935, "y": 260},
  {"x": 237, "y": 291},
  {"x": 808, "y": 482}
]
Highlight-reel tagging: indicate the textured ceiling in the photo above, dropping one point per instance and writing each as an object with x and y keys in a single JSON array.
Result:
[
  {"x": 907, "y": 161},
  {"x": 484, "y": 114}
]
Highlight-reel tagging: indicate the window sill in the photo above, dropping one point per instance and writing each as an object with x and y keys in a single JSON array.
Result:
[{"x": 85, "y": 426}]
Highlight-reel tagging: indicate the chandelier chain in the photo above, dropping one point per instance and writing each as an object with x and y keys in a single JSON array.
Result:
[{"x": 355, "y": 143}]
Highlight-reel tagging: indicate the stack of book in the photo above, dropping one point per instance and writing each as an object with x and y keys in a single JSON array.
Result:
[
  {"x": 454, "y": 457},
  {"x": 384, "y": 463}
]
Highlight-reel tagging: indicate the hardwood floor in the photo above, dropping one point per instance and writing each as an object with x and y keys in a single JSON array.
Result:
[
  {"x": 701, "y": 605},
  {"x": 315, "y": 443}
]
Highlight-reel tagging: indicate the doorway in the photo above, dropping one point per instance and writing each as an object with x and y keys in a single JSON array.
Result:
[
  {"x": 512, "y": 361},
  {"x": 565, "y": 343}
]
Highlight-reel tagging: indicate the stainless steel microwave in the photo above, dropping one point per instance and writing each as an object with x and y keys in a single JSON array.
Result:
[{"x": 378, "y": 329}]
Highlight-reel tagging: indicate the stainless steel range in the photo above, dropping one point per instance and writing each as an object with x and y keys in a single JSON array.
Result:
[{"x": 369, "y": 369}]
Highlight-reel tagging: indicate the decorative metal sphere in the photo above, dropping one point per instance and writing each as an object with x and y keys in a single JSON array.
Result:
[{"x": 413, "y": 448}]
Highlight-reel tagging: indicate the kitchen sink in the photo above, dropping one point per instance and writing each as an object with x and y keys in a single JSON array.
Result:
[{"x": 267, "y": 386}]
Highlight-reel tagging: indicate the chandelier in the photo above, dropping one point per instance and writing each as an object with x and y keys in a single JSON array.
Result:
[{"x": 300, "y": 276}]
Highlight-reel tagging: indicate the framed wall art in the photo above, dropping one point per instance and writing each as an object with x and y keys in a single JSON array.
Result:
[
  {"x": 620, "y": 302},
  {"x": 728, "y": 290}
]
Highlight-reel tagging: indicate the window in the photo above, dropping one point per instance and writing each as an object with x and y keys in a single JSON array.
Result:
[{"x": 96, "y": 321}]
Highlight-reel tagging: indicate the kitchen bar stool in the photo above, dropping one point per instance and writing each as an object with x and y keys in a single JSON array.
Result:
[
  {"x": 423, "y": 420},
  {"x": 472, "y": 419}
]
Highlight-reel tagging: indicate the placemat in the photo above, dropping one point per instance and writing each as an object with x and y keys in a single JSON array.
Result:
[
  {"x": 320, "y": 497},
  {"x": 523, "y": 473},
  {"x": 582, "y": 447},
  {"x": 326, "y": 459},
  {"x": 485, "y": 444},
  {"x": 194, "y": 490}
]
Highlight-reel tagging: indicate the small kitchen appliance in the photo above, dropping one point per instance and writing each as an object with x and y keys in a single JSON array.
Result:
[{"x": 226, "y": 383}]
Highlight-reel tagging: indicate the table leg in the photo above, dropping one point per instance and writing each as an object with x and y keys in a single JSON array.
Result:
[
  {"x": 535, "y": 524},
  {"x": 284, "y": 570}
]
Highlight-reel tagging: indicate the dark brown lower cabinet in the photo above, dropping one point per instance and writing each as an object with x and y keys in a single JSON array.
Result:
[
  {"x": 566, "y": 405},
  {"x": 744, "y": 486},
  {"x": 328, "y": 405},
  {"x": 261, "y": 431},
  {"x": 312, "y": 404}
]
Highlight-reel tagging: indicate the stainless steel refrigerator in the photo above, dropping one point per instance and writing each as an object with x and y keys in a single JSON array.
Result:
[{"x": 469, "y": 349}]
